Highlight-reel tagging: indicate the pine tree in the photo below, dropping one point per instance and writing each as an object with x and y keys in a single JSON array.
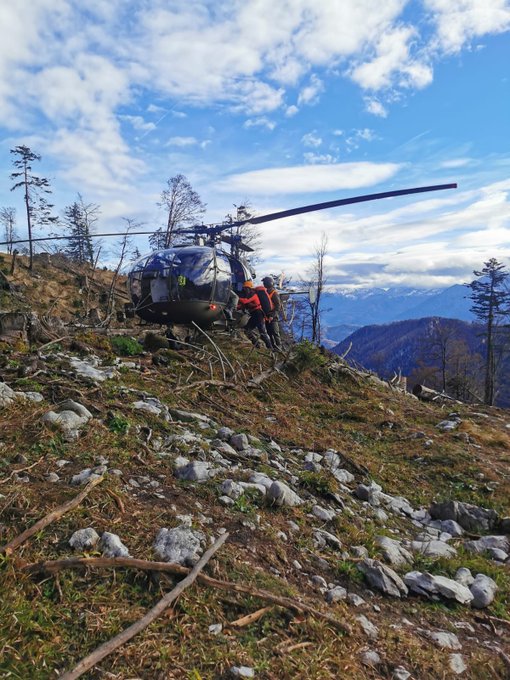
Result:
[
  {"x": 79, "y": 218},
  {"x": 490, "y": 297},
  {"x": 38, "y": 209}
]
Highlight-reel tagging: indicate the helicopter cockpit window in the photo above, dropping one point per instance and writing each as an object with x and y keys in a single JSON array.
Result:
[
  {"x": 223, "y": 278},
  {"x": 193, "y": 275}
]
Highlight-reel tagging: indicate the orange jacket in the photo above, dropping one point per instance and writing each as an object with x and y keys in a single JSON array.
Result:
[{"x": 252, "y": 303}]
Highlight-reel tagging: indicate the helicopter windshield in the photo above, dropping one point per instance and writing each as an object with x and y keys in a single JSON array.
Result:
[{"x": 190, "y": 273}]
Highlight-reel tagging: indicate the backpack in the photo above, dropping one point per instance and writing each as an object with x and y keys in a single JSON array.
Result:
[{"x": 265, "y": 301}]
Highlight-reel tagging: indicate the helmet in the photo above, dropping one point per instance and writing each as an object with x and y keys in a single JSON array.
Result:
[
  {"x": 268, "y": 281},
  {"x": 248, "y": 284}
]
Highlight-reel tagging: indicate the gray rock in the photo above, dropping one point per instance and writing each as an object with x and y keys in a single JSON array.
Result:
[
  {"x": 281, "y": 494},
  {"x": 359, "y": 551},
  {"x": 52, "y": 477},
  {"x": 369, "y": 629},
  {"x": 336, "y": 594},
  {"x": 383, "y": 578},
  {"x": 472, "y": 518},
  {"x": 397, "y": 504},
  {"x": 36, "y": 397},
  {"x": 312, "y": 457},
  {"x": 332, "y": 460},
  {"x": 239, "y": 442},
  {"x": 400, "y": 673},
  {"x": 442, "y": 638},
  {"x": 88, "y": 475},
  {"x": 484, "y": 591},
  {"x": 370, "y": 658},
  {"x": 242, "y": 672},
  {"x": 180, "y": 545},
  {"x": 146, "y": 407},
  {"x": 70, "y": 417},
  {"x": 319, "y": 582},
  {"x": 505, "y": 525},
  {"x": 355, "y": 600},
  {"x": 224, "y": 448},
  {"x": 488, "y": 543},
  {"x": 498, "y": 555},
  {"x": 452, "y": 527},
  {"x": 370, "y": 494},
  {"x": 259, "y": 488},
  {"x": 190, "y": 417},
  {"x": 448, "y": 425},
  {"x": 231, "y": 489},
  {"x": 457, "y": 664},
  {"x": 433, "y": 548},
  {"x": 432, "y": 584},
  {"x": 224, "y": 433},
  {"x": 87, "y": 370},
  {"x": 196, "y": 471},
  {"x": 7, "y": 395},
  {"x": 393, "y": 552},
  {"x": 343, "y": 476},
  {"x": 84, "y": 539},
  {"x": 111, "y": 546},
  {"x": 464, "y": 576},
  {"x": 323, "y": 514},
  {"x": 324, "y": 538}
]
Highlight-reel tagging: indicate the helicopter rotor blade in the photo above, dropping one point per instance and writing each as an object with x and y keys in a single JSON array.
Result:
[
  {"x": 334, "y": 204},
  {"x": 239, "y": 244}
]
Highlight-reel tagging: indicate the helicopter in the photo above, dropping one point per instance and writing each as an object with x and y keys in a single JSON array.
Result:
[{"x": 193, "y": 284}]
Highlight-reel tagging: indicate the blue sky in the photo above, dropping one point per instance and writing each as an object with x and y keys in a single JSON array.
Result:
[{"x": 280, "y": 103}]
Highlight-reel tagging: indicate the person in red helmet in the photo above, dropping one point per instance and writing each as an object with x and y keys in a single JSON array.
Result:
[{"x": 249, "y": 301}]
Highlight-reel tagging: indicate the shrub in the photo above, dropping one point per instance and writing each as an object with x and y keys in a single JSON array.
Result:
[{"x": 125, "y": 346}]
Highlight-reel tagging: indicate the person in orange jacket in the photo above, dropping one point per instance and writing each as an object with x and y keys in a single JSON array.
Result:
[{"x": 249, "y": 301}]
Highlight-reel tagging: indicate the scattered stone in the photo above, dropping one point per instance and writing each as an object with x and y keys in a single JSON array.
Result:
[
  {"x": 52, "y": 477},
  {"x": 180, "y": 545},
  {"x": 472, "y": 518},
  {"x": 370, "y": 494},
  {"x": 336, "y": 594},
  {"x": 433, "y": 548},
  {"x": 87, "y": 370},
  {"x": 448, "y": 425},
  {"x": 196, "y": 471},
  {"x": 242, "y": 672},
  {"x": 88, "y": 475},
  {"x": 464, "y": 576},
  {"x": 488, "y": 543},
  {"x": 232, "y": 489},
  {"x": 484, "y": 591},
  {"x": 324, "y": 538},
  {"x": 111, "y": 546},
  {"x": 281, "y": 494},
  {"x": 369, "y": 629},
  {"x": 457, "y": 664},
  {"x": 431, "y": 584},
  {"x": 383, "y": 578},
  {"x": 343, "y": 476},
  {"x": 359, "y": 551},
  {"x": 84, "y": 539},
  {"x": 355, "y": 600},
  {"x": 370, "y": 658},
  {"x": 393, "y": 551},
  {"x": 224, "y": 433},
  {"x": 319, "y": 582},
  {"x": 400, "y": 673},
  {"x": 323, "y": 514},
  {"x": 70, "y": 418},
  {"x": 7, "y": 395},
  {"x": 505, "y": 525},
  {"x": 215, "y": 628},
  {"x": 442, "y": 638},
  {"x": 239, "y": 442}
]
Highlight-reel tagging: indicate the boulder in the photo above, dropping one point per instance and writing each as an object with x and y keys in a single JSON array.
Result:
[
  {"x": 111, "y": 546},
  {"x": 487, "y": 543},
  {"x": 383, "y": 578},
  {"x": 180, "y": 545},
  {"x": 442, "y": 638},
  {"x": 196, "y": 471},
  {"x": 470, "y": 517},
  {"x": 433, "y": 548},
  {"x": 281, "y": 494},
  {"x": 393, "y": 552},
  {"x": 336, "y": 594},
  {"x": 370, "y": 658},
  {"x": 70, "y": 417},
  {"x": 369, "y": 629},
  {"x": 430, "y": 585},
  {"x": 84, "y": 539},
  {"x": 464, "y": 576},
  {"x": 239, "y": 442},
  {"x": 484, "y": 591},
  {"x": 457, "y": 664}
]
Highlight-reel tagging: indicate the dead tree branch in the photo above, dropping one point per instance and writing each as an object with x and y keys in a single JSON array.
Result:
[{"x": 108, "y": 647}]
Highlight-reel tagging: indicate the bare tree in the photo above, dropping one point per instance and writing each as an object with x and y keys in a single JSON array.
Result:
[
  {"x": 124, "y": 249},
  {"x": 183, "y": 206},
  {"x": 37, "y": 207},
  {"x": 250, "y": 234},
  {"x": 8, "y": 222},
  {"x": 317, "y": 283}
]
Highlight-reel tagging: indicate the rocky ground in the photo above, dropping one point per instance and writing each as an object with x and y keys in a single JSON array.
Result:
[{"x": 339, "y": 492}]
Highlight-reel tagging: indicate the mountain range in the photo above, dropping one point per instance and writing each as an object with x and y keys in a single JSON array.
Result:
[{"x": 346, "y": 311}]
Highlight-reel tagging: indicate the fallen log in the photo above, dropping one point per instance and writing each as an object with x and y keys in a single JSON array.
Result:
[
  {"x": 108, "y": 647},
  {"x": 428, "y": 394},
  {"x": 55, "y": 566}
]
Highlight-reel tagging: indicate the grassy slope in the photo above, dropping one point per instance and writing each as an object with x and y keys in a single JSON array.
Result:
[{"x": 47, "y": 625}]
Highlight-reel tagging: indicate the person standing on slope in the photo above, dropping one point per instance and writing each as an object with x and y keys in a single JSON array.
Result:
[
  {"x": 249, "y": 301},
  {"x": 272, "y": 322}
]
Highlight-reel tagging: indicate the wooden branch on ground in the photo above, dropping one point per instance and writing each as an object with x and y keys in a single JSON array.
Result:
[
  {"x": 258, "y": 379},
  {"x": 206, "y": 383},
  {"x": 54, "y": 566},
  {"x": 24, "y": 469},
  {"x": 108, "y": 647},
  {"x": 8, "y": 548}
]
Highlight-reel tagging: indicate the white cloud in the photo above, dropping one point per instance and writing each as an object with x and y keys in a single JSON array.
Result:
[
  {"x": 456, "y": 163},
  {"x": 314, "y": 158},
  {"x": 308, "y": 178},
  {"x": 291, "y": 111},
  {"x": 182, "y": 141},
  {"x": 138, "y": 123},
  {"x": 262, "y": 122},
  {"x": 311, "y": 92},
  {"x": 311, "y": 139},
  {"x": 375, "y": 107}
]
